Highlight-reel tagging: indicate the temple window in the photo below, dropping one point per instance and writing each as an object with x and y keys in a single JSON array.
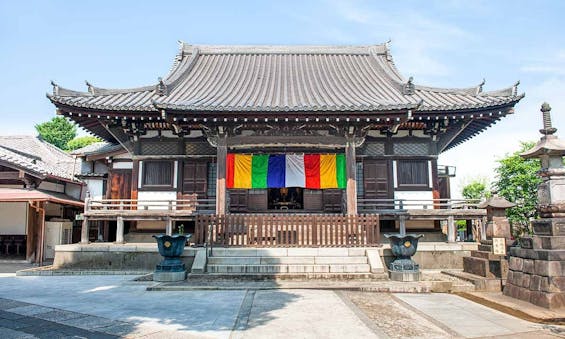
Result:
[
  {"x": 158, "y": 174},
  {"x": 413, "y": 174}
]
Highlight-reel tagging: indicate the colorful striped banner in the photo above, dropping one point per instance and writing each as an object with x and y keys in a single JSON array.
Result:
[{"x": 314, "y": 171}]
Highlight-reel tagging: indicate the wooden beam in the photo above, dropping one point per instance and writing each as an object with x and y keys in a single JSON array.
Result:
[
  {"x": 221, "y": 155},
  {"x": 351, "y": 169}
]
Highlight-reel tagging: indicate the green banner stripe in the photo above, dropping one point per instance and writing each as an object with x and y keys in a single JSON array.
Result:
[
  {"x": 259, "y": 166},
  {"x": 341, "y": 172}
]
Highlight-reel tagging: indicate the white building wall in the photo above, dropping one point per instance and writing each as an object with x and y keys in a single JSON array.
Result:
[
  {"x": 13, "y": 218},
  {"x": 159, "y": 199},
  {"x": 417, "y": 199},
  {"x": 95, "y": 187}
]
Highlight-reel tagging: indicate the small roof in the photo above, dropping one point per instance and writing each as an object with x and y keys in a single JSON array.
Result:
[
  {"x": 39, "y": 157},
  {"x": 496, "y": 202},
  {"x": 97, "y": 148},
  {"x": 547, "y": 145},
  {"x": 283, "y": 79},
  {"x": 23, "y": 194}
]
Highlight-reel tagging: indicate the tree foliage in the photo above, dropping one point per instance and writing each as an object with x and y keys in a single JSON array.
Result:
[
  {"x": 57, "y": 131},
  {"x": 80, "y": 142},
  {"x": 517, "y": 181},
  {"x": 477, "y": 189}
]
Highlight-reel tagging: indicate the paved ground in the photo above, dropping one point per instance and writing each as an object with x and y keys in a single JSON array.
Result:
[{"x": 110, "y": 306}]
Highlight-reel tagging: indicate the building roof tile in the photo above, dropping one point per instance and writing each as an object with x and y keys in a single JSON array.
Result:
[
  {"x": 284, "y": 79},
  {"x": 32, "y": 154}
]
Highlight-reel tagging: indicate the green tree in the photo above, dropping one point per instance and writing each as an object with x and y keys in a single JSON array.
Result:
[
  {"x": 476, "y": 189},
  {"x": 57, "y": 131},
  {"x": 517, "y": 181},
  {"x": 80, "y": 142}
]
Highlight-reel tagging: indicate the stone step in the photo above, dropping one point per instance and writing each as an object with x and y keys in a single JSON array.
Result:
[
  {"x": 284, "y": 269},
  {"x": 485, "y": 248},
  {"x": 215, "y": 260},
  {"x": 477, "y": 266},
  {"x": 287, "y": 252},
  {"x": 486, "y": 255},
  {"x": 486, "y": 268},
  {"x": 481, "y": 283}
]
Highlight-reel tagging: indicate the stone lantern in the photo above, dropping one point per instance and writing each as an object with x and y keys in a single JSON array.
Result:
[
  {"x": 537, "y": 268},
  {"x": 497, "y": 223}
]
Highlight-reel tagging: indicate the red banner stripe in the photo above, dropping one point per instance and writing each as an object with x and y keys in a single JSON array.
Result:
[
  {"x": 312, "y": 170},
  {"x": 230, "y": 163}
]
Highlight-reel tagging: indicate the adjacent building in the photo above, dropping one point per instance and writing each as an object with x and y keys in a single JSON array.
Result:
[{"x": 39, "y": 197}]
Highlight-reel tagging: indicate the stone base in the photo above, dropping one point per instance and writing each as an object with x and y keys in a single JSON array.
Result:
[
  {"x": 550, "y": 300},
  {"x": 486, "y": 264},
  {"x": 169, "y": 276},
  {"x": 549, "y": 226},
  {"x": 404, "y": 276}
]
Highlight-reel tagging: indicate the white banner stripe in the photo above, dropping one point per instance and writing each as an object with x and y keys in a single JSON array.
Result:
[{"x": 294, "y": 171}]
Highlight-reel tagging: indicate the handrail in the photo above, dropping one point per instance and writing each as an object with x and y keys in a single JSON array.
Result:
[{"x": 421, "y": 203}]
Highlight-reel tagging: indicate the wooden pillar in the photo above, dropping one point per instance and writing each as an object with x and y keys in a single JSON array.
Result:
[
  {"x": 351, "y": 170},
  {"x": 451, "y": 229},
  {"x": 84, "y": 231},
  {"x": 221, "y": 156},
  {"x": 119, "y": 230},
  {"x": 42, "y": 233},
  {"x": 169, "y": 226}
]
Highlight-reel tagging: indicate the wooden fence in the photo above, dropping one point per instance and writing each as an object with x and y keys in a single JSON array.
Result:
[{"x": 288, "y": 230}]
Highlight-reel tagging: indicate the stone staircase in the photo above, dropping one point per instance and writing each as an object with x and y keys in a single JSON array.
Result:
[{"x": 296, "y": 262}]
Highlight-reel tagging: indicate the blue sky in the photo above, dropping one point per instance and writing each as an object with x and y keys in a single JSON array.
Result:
[{"x": 448, "y": 43}]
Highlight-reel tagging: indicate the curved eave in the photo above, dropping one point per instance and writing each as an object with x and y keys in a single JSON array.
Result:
[{"x": 319, "y": 109}]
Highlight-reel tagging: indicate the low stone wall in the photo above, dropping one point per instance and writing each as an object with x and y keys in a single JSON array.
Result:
[
  {"x": 110, "y": 256},
  {"x": 436, "y": 255},
  {"x": 141, "y": 256}
]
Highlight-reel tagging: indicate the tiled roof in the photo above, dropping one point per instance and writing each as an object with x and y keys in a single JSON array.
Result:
[
  {"x": 284, "y": 79},
  {"x": 97, "y": 148},
  {"x": 32, "y": 154}
]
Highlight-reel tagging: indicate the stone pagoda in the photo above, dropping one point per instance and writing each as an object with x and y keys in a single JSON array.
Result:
[{"x": 537, "y": 267}]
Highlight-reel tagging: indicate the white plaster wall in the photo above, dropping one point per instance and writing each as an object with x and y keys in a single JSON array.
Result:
[
  {"x": 13, "y": 218},
  {"x": 122, "y": 165},
  {"x": 95, "y": 187},
  {"x": 159, "y": 199},
  {"x": 419, "y": 199},
  {"x": 49, "y": 186}
]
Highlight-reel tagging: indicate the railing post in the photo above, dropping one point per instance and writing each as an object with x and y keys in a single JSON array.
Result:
[
  {"x": 84, "y": 231},
  {"x": 119, "y": 230},
  {"x": 451, "y": 231}
]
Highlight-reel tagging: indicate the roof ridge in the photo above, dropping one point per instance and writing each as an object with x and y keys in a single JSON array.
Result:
[{"x": 285, "y": 49}]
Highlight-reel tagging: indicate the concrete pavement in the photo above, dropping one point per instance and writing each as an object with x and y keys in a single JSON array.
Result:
[{"x": 117, "y": 306}]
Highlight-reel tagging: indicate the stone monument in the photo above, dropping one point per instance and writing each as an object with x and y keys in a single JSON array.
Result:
[
  {"x": 486, "y": 262},
  {"x": 537, "y": 267}
]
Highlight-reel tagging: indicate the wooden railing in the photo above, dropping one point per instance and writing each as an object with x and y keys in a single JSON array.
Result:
[
  {"x": 140, "y": 205},
  {"x": 287, "y": 230},
  {"x": 366, "y": 205}
]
